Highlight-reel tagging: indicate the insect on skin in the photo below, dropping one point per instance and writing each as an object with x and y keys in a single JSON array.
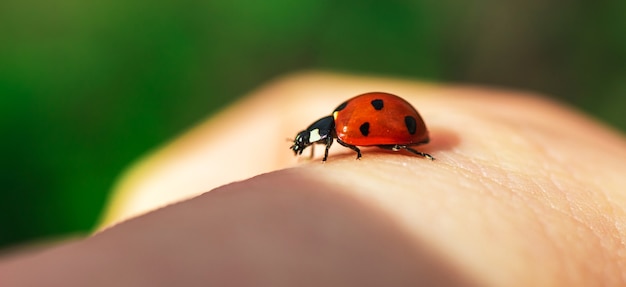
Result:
[{"x": 371, "y": 119}]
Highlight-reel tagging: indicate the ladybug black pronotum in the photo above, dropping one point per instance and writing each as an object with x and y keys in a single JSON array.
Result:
[{"x": 371, "y": 119}]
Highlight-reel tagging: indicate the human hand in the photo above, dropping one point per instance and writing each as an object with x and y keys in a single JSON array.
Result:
[{"x": 524, "y": 192}]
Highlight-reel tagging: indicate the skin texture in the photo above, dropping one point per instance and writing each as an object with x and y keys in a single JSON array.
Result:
[{"x": 523, "y": 192}]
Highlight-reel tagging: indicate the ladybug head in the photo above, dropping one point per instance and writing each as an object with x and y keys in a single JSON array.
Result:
[
  {"x": 301, "y": 142},
  {"x": 319, "y": 131}
]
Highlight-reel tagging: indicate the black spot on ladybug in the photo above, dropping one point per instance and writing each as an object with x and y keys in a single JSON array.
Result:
[
  {"x": 365, "y": 129},
  {"x": 342, "y": 106},
  {"x": 411, "y": 124},
  {"x": 377, "y": 104}
]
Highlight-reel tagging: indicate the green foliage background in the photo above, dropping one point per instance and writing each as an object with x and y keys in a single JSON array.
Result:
[{"x": 88, "y": 86}]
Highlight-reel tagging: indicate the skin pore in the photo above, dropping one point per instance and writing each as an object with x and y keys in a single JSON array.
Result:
[{"x": 523, "y": 192}]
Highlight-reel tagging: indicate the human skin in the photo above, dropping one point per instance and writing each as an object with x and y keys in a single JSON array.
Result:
[{"x": 523, "y": 192}]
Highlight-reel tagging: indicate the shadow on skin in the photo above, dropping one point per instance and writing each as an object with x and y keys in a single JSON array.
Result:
[
  {"x": 441, "y": 139},
  {"x": 279, "y": 229},
  {"x": 287, "y": 228}
]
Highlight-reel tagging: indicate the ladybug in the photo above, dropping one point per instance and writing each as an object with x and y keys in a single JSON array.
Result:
[{"x": 371, "y": 119}]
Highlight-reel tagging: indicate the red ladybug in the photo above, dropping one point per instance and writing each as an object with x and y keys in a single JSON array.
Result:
[{"x": 371, "y": 119}]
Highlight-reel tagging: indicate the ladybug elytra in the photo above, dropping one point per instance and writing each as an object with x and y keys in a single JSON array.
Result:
[{"x": 371, "y": 119}]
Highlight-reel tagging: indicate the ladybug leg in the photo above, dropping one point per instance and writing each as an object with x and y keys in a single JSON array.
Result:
[
  {"x": 407, "y": 148},
  {"x": 354, "y": 148},
  {"x": 329, "y": 142},
  {"x": 418, "y": 152}
]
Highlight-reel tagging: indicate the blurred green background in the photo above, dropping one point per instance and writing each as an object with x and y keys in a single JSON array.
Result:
[{"x": 86, "y": 87}]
